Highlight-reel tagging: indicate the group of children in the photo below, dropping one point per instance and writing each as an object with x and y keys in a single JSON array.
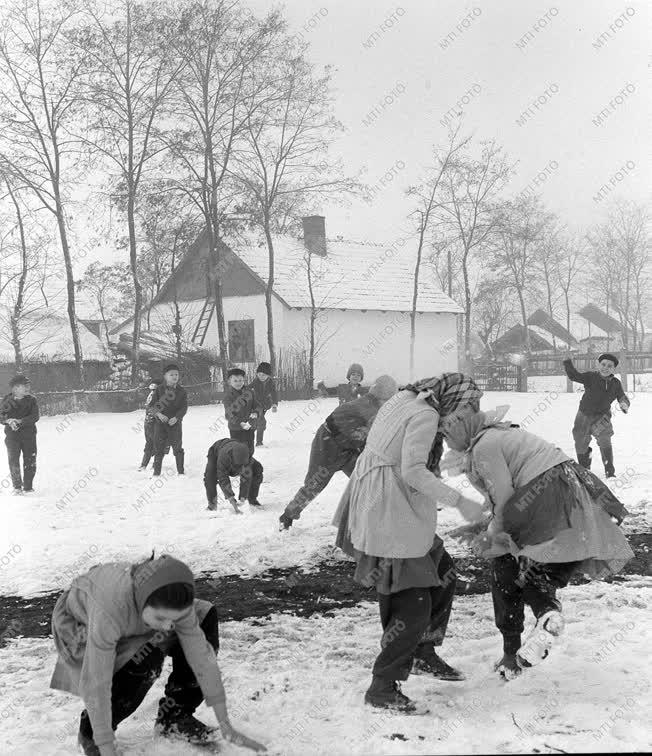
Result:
[{"x": 114, "y": 626}]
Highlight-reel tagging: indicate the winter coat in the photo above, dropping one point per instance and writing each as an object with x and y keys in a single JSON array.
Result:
[
  {"x": 392, "y": 496},
  {"x": 25, "y": 410},
  {"x": 239, "y": 405},
  {"x": 349, "y": 423},
  {"x": 505, "y": 459},
  {"x": 348, "y": 392},
  {"x": 97, "y": 628},
  {"x": 220, "y": 468},
  {"x": 169, "y": 401},
  {"x": 599, "y": 392},
  {"x": 265, "y": 393}
]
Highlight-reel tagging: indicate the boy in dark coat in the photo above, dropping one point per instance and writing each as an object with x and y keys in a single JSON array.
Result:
[
  {"x": 351, "y": 390},
  {"x": 337, "y": 445},
  {"x": 148, "y": 427},
  {"x": 593, "y": 418},
  {"x": 241, "y": 409},
  {"x": 264, "y": 390},
  {"x": 170, "y": 404},
  {"x": 227, "y": 459},
  {"x": 19, "y": 414}
]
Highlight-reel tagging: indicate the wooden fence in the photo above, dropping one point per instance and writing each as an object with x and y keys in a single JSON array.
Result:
[{"x": 551, "y": 364}]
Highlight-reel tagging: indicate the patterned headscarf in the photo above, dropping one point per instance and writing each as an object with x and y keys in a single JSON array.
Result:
[{"x": 447, "y": 393}]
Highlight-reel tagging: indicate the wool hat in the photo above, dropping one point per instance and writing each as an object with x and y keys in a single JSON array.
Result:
[
  {"x": 239, "y": 454},
  {"x": 383, "y": 387},
  {"x": 355, "y": 368},
  {"x": 19, "y": 380},
  {"x": 155, "y": 573},
  {"x": 170, "y": 367},
  {"x": 264, "y": 367},
  {"x": 235, "y": 371},
  {"x": 609, "y": 356}
]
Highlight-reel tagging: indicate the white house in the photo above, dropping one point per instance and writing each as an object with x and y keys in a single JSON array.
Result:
[{"x": 362, "y": 296}]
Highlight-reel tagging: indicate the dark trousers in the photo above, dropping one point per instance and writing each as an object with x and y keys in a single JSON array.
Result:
[
  {"x": 261, "y": 424},
  {"x": 600, "y": 427},
  {"x": 166, "y": 436},
  {"x": 512, "y": 587},
  {"x": 411, "y": 619},
  {"x": 326, "y": 458},
  {"x": 148, "y": 451},
  {"x": 132, "y": 682},
  {"x": 250, "y": 480},
  {"x": 21, "y": 443},
  {"x": 245, "y": 437}
]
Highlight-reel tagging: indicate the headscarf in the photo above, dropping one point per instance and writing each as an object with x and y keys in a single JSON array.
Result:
[
  {"x": 465, "y": 428},
  {"x": 446, "y": 393}
]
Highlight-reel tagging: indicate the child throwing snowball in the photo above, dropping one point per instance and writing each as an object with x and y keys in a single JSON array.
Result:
[{"x": 113, "y": 629}]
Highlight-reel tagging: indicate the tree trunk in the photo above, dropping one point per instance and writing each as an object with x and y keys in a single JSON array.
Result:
[
  {"x": 268, "y": 295},
  {"x": 415, "y": 295},
  {"x": 313, "y": 318},
  {"x": 70, "y": 289},
  {"x": 467, "y": 311},
  {"x": 18, "y": 304},
  {"x": 138, "y": 289},
  {"x": 526, "y": 332},
  {"x": 216, "y": 289}
]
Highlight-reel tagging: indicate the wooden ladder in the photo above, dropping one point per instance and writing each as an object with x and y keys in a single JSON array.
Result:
[{"x": 204, "y": 321}]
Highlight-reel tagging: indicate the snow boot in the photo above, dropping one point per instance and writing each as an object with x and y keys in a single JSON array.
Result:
[
  {"x": 255, "y": 503},
  {"x": 184, "y": 727},
  {"x": 85, "y": 737},
  {"x": 17, "y": 491},
  {"x": 386, "y": 694},
  {"x": 179, "y": 457},
  {"x": 607, "y": 454},
  {"x": 427, "y": 661},
  {"x": 585, "y": 459},
  {"x": 508, "y": 667},
  {"x": 537, "y": 646},
  {"x": 158, "y": 464},
  {"x": 285, "y": 522}
]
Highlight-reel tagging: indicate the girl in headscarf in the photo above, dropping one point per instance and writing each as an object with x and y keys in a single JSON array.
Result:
[
  {"x": 387, "y": 521},
  {"x": 550, "y": 519}
]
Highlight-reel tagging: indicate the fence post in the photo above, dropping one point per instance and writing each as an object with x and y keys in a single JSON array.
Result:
[
  {"x": 623, "y": 369},
  {"x": 522, "y": 374}
]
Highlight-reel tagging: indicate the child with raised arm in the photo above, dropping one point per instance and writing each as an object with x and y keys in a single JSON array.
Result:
[
  {"x": 593, "y": 417},
  {"x": 113, "y": 629}
]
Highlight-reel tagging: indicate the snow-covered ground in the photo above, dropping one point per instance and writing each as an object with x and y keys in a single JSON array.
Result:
[
  {"x": 298, "y": 683},
  {"x": 93, "y": 505}
]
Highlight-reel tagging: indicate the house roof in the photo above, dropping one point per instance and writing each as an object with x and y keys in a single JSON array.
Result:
[
  {"x": 514, "y": 338},
  {"x": 46, "y": 335},
  {"x": 598, "y": 317},
  {"x": 541, "y": 319},
  {"x": 352, "y": 275}
]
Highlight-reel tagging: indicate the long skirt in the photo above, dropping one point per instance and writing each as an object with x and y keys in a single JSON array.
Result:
[
  {"x": 391, "y": 575},
  {"x": 565, "y": 515}
]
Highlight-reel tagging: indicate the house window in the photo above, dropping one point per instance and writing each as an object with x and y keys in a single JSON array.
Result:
[{"x": 241, "y": 341}]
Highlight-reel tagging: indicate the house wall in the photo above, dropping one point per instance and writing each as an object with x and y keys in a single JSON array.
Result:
[{"x": 379, "y": 341}]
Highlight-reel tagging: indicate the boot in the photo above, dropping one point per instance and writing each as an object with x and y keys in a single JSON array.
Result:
[
  {"x": 427, "y": 661},
  {"x": 539, "y": 643},
  {"x": 145, "y": 461},
  {"x": 585, "y": 459},
  {"x": 85, "y": 737},
  {"x": 386, "y": 694},
  {"x": 255, "y": 503},
  {"x": 158, "y": 464},
  {"x": 259, "y": 437},
  {"x": 179, "y": 456},
  {"x": 608, "y": 461},
  {"x": 181, "y": 725}
]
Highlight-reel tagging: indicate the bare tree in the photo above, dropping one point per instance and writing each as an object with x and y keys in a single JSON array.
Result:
[
  {"x": 426, "y": 197},
  {"x": 521, "y": 231},
  {"x": 285, "y": 150},
  {"x": 106, "y": 285},
  {"x": 550, "y": 262},
  {"x": 471, "y": 192},
  {"x": 493, "y": 311},
  {"x": 217, "y": 42},
  {"x": 39, "y": 102},
  {"x": 621, "y": 266},
  {"x": 570, "y": 267},
  {"x": 128, "y": 78}
]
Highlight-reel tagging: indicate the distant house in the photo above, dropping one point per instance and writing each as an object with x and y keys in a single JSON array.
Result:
[
  {"x": 362, "y": 297},
  {"x": 514, "y": 340}
]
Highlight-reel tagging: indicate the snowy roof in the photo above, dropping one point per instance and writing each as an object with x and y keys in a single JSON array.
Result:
[
  {"x": 46, "y": 336},
  {"x": 352, "y": 275}
]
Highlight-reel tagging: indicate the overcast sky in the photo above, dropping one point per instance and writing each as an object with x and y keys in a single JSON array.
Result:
[{"x": 585, "y": 53}]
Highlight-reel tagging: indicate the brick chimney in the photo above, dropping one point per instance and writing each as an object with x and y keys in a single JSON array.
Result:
[{"x": 314, "y": 234}]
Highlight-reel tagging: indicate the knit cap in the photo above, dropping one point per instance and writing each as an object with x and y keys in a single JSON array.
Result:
[
  {"x": 609, "y": 356},
  {"x": 383, "y": 387},
  {"x": 355, "y": 368},
  {"x": 264, "y": 367},
  {"x": 170, "y": 367},
  {"x": 155, "y": 573}
]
